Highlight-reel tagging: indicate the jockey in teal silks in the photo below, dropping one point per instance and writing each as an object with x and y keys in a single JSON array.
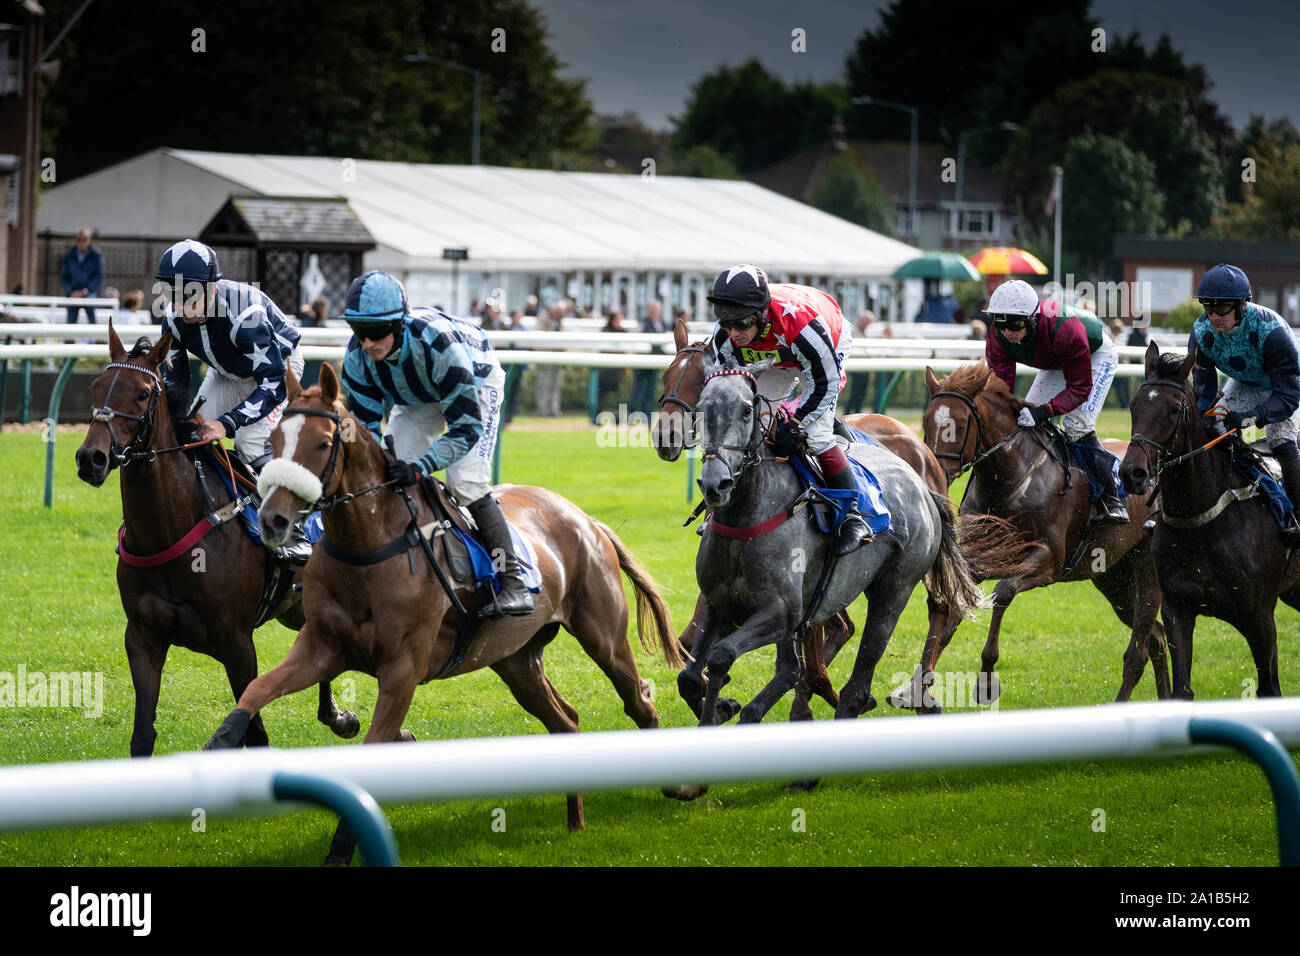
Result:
[{"x": 1254, "y": 347}]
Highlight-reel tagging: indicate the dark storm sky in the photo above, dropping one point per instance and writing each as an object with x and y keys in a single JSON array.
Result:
[{"x": 644, "y": 55}]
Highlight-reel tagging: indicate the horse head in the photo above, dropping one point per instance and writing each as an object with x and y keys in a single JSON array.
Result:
[
  {"x": 310, "y": 445},
  {"x": 1164, "y": 419},
  {"x": 969, "y": 411},
  {"x": 683, "y": 379},
  {"x": 132, "y": 390},
  {"x": 730, "y": 429}
]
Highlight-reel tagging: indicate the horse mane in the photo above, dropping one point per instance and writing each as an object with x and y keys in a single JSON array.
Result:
[
  {"x": 1168, "y": 363},
  {"x": 970, "y": 380},
  {"x": 176, "y": 394}
]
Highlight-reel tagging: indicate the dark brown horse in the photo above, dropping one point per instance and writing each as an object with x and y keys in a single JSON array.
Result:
[
  {"x": 205, "y": 602},
  {"x": 674, "y": 431},
  {"x": 392, "y": 619},
  {"x": 1216, "y": 546},
  {"x": 970, "y": 422}
]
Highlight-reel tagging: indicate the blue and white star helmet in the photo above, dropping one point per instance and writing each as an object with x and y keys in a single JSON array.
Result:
[
  {"x": 375, "y": 297},
  {"x": 191, "y": 260},
  {"x": 742, "y": 286}
]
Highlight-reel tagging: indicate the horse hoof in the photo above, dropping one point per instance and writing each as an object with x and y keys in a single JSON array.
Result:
[
  {"x": 800, "y": 786},
  {"x": 727, "y": 708},
  {"x": 901, "y": 698},
  {"x": 348, "y": 725},
  {"x": 869, "y": 705},
  {"x": 800, "y": 711},
  {"x": 988, "y": 688},
  {"x": 686, "y": 792},
  {"x": 934, "y": 709},
  {"x": 336, "y": 862},
  {"x": 404, "y": 736}
]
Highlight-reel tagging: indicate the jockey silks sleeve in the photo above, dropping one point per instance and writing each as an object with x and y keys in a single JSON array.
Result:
[
  {"x": 1065, "y": 346},
  {"x": 442, "y": 361},
  {"x": 1259, "y": 352}
]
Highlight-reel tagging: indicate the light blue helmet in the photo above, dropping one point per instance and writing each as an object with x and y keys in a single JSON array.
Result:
[{"x": 375, "y": 297}]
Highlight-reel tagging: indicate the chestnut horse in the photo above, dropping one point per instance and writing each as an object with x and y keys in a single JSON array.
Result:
[
  {"x": 1216, "y": 546},
  {"x": 674, "y": 431},
  {"x": 209, "y": 608},
  {"x": 391, "y": 618},
  {"x": 970, "y": 422}
]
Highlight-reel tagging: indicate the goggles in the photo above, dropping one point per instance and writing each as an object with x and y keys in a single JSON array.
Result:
[
  {"x": 733, "y": 315},
  {"x": 374, "y": 331},
  {"x": 1219, "y": 306},
  {"x": 1010, "y": 323}
]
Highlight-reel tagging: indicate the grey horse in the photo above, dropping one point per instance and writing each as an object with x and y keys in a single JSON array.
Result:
[{"x": 757, "y": 590}]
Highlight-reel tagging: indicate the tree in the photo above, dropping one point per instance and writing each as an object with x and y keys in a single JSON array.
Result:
[
  {"x": 753, "y": 118},
  {"x": 702, "y": 161},
  {"x": 1270, "y": 201},
  {"x": 314, "y": 79},
  {"x": 852, "y": 193},
  {"x": 1259, "y": 136},
  {"x": 1108, "y": 189}
]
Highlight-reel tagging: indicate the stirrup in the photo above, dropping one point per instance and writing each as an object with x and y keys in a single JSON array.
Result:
[
  {"x": 1290, "y": 529},
  {"x": 844, "y": 540},
  {"x": 513, "y": 600}
]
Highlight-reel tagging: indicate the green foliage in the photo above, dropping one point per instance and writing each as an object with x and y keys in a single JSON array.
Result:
[
  {"x": 851, "y": 192},
  {"x": 1183, "y": 316},
  {"x": 1110, "y": 189},
  {"x": 752, "y": 118},
  {"x": 1269, "y": 207},
  {"x": 313, "y": 79},
  {"x": 703, "y": 161}
]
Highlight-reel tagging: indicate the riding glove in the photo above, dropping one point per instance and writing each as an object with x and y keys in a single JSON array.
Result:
[
  {"x": 403, "y": 472},
  {"x": 1035, "y": 415},
  {"x": 788, "y": 437}
]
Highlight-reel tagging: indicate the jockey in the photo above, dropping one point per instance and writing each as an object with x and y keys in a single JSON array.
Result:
[
  {"x": 803, "y": 330},
  {"x": 438, "y": 372},
  {"x": 247, "y": 344},
  {"x": 1077, "y": 361},
  {"x": 1255, "y": 348}
]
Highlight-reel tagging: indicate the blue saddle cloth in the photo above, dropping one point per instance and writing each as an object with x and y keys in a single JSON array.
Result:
[
  {"x": 1278, "y": 503},
  {"x": 871, "y": 503},
  {"x": 1083, "y": 455},
  {"x": 485, "y": 572},
  {"x": 248, "y": 516}
]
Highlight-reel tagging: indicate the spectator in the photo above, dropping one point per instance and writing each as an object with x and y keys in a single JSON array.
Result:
[
  {"x": 81, "y": 275},
  {"x": 979, "y": 330},
  {"x": 610, "y": 380},
  {"x": 530, "y": 306},
  {"x": 643, "y": 379},
  {"x": 550, "y": 378},
  {"x": 133, "y": 311},
  {"x": 1137, "y": 337},
  {"x": 492, "y": 320},
  {"x": 314, "y": 314},
  {"x": 859, "y": 381},
  {"x": 514, "y": 373}
]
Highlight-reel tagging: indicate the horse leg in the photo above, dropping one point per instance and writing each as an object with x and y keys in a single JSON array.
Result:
[
  {"x": 145, "y": 656},
  {"x": 786, "y": 676},
  {"x": 1118, "y": 584},
  {"x": 309, "y": 661},
  {"x": 943, "y": 625},
  {"x": 1179, "y": 627},
  {"x": 692, "y": 684},
  {"x": 241, "y": 670},
  {"x": 761, "y": 629},
  {"x": 344, "y": 723},
  {"x": 886, "y": 600},
  {"x": 1260, "y": 631},
  {"x": 835, "y": 634},
  {"x": 523, "y": 673},
  {"x": 690, "y": 633}
]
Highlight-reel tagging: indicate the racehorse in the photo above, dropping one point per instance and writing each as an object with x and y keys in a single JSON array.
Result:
[
  {"x": 167, "y": 601},
  {"x": 674, "y": 431},
  {"x": 1017, "y": 476},
  {"x": 1216, "y": 546},
  {"x": 760, "y": 590},
  {"x": 377, "y": 615}
]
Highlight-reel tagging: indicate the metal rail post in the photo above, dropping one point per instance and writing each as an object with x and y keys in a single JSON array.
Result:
[
  {"x": 355, "y": 807},
  {"x": 52, "y": 423}
]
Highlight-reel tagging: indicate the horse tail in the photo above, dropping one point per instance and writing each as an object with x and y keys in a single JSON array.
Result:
[
  {"x": 650, "y": 605},
  {"x": 994, "y": 547},
  {"x": 950, "y": 580}
]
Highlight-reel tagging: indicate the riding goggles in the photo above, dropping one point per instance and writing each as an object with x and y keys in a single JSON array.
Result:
[
  {"x": 1010, "y": 323},
  {"x": 374, "y": 331},
  {"x": 1219, "y": 306},
  {"x": 731, "y": 315}
]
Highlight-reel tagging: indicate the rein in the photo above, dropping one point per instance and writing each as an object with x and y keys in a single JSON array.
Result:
[
  {"x": 674, "y": 399},
  {"x": 964, "y": 466}
]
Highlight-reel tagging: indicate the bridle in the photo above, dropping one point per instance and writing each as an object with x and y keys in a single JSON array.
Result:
[
  {"x": 962, "y": 465},
  {"x": 137, "y": 448},
  {"x": 326, "y": 502},
  {"x": 751, "y": 449},
  {"x": 1181, "y": 427},
  {"x": 675, "y": 399}
]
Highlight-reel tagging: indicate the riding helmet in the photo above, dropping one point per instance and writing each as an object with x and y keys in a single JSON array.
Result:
[
  {"x": 742, "y": 285},
  {"x": 375, "y": 297},
  {"x": 191, "y": 260},
  {"x": 1224, "y": 282}
]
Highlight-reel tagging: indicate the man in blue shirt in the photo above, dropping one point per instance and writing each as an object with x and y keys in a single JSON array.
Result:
[
  {"x": 1254, "y": 347},
  {"x": 81, "y": 275},
  {"x": 439, "y": 373}
]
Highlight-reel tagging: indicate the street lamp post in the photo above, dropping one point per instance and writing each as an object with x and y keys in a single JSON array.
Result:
[
  {"x": 478, "y": 78},
  {"x": 961, "y": 158},
  {"x": 911, "y": 191}
]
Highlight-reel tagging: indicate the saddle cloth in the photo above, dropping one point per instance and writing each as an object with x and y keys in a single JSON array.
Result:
[
  {"x": 248, "y": 517},
  {"x": 871, "y": 503}
]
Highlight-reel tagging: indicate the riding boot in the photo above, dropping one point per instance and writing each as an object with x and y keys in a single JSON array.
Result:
[
  {"x": 297, "y": 550},
  {"x": 853, "y": 530},
  {"x": 1288, "y": 456},
  {"x": 1109, "y": 510},
  {"x": 494, "y": 533},
  {"x": 842, "y": 429}
]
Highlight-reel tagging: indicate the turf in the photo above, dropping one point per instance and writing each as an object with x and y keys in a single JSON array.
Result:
[{"x": 59, "y": 611}]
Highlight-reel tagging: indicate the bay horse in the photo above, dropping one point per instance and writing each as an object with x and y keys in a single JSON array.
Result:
[
  {"x": 1217, "y": 548},
  {"x": 1018, "y": 480},
  {"x": 379, "y": 616},
  {"x": 210, "y": 608},
  {"x": 674, "y": 430},
  {"x": 755, "y": 594}
]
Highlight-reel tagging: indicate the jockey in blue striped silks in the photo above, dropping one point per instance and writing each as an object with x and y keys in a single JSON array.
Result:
[{"x": 446, "y": 387}]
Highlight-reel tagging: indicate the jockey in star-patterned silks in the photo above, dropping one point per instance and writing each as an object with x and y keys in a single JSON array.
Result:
[
  {"x": 439, "y": 372},
  {"x": 247, "y": 344},
  {"x": 1255, "y": 348},
  {"x": 1078, "y": 362},
  {"x": 803, "y": 331}
]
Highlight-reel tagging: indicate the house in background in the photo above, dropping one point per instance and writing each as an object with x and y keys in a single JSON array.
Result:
[{"x": 21, "y": 76}]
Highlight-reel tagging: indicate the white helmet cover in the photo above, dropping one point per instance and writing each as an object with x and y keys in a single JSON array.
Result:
[{"x": 1016, "y": 297}]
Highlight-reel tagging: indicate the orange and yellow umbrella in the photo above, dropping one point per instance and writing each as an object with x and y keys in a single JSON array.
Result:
[{"x": 1005, "y": 260}]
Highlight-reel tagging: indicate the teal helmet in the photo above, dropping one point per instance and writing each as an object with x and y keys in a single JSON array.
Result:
[{"x": 375, "y": 297}]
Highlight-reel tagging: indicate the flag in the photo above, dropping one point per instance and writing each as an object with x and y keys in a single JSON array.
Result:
[{"x": 1055, "y": 195}]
